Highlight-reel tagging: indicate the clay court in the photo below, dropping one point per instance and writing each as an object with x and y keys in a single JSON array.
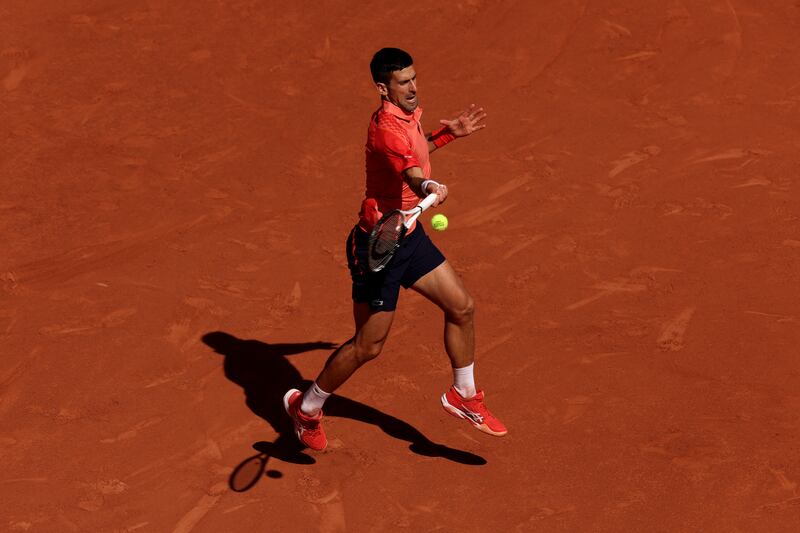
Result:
[{"x": 178, "y": 180}]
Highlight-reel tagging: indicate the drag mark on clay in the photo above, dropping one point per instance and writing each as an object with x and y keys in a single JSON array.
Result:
[
  {"x": 542, "y": 513},
  {"x": 497, "y": 342},
  {"x": 563, "y": 45},
  {"x": 23, "y": 65},
  {"x": 524, "y": 244},
  {"x": 180, "y": 335},
  {"x": 11, "y": 386},
  {"x": 674, "y": 331},
  {"x": 519, "y": 150},
  {"x": 485, "y": 214},
  {"x": 616, "y": 30},
  {"x": 735, "y": 37},
  {"x": 166, "y": 378},
  {"x": 327, "y": 505},
  {"x": 785, "y": 482},
  {"x": 591, "y": 358},
  {"x": 9, "y": 282},
  {"x": 607, "y": 288},
  {"x": 253, "y": 108},
  {"x": 698, "y": 207},
  {"x": 795, "y": 500},
  {"x": 241, "y": 505},
  {"x": 779, "y": 318},
  {"x": 125, "y": 435},
  {"x": 649, "y": 270},
  {"x": 633, "y": 158},
  {"x": 196, "y": 513},
  {"x": 509, "y": 186},
  {"x": 404, "y": 516},
  {"x": 787, "y": 485},
  {"x": 25, "y": 480},
  {"x": 752, "y": 182},
  {"x": 82, "y": 260},
  {"x": 210, "y": 452},
  {"x": 576, "y": 406},
  {"x": 331, "y": 513},
  {"x": 468, "y": 436},
  {"x": 732, "y": 153},
  {"x": 645, "y": 54},
  {"x": 294, "y": 297},
  {"x": 15, "y": 77},
  {"x": 113, "y": 319},
  {"x": 97, "y": 491},
  {"x": 214, "y": 157}
]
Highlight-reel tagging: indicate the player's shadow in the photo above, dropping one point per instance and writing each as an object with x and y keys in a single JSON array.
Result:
[{"x": 264, "y": 372}]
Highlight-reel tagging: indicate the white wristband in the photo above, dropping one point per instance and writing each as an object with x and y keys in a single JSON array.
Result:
[{"x": 424, "y": 185}]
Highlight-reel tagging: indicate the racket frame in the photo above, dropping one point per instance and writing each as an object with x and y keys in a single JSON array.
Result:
[{"x": 409, "y": 216}]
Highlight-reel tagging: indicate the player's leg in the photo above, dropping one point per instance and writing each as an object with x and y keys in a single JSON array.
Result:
[
  {"x": 444, "y": 287},
  {"x": 372, "y": 329},
  {"x": 374, "y": 302}
]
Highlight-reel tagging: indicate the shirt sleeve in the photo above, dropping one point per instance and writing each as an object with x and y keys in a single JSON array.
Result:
[{"x": 397, "y": 150}]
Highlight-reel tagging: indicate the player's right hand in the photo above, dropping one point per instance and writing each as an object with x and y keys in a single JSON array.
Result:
[{"x": 441, "y": 193}]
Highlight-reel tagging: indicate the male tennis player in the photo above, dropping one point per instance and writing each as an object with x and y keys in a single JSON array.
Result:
[{"x": 398, "y": 175}]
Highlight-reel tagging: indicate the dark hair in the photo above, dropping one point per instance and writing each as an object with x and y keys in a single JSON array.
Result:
[{"x": 387, "y": 60}]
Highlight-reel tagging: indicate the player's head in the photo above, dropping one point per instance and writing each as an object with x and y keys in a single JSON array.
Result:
[{"x": 395, "y": 78}]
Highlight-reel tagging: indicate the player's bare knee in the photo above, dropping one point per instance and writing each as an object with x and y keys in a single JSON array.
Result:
[
  {"x": 367, "y": 350},
  {"x": 462, "y": 313},
  {"x": 368, "y": 353}
]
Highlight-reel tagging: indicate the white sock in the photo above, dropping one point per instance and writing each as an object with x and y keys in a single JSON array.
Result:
[
  {"x": 313, "y": 400},
  {"x": 464, "y": 380}
]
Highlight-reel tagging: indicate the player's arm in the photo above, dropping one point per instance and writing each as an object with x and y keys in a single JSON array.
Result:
[
  {"x": 465, "y": 123},
  {"x": 437, "y": 139},
  {"x": 422, "y": 187}
]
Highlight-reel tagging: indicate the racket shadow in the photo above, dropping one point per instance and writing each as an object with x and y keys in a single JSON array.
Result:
[{"x": 264, "y": 372}]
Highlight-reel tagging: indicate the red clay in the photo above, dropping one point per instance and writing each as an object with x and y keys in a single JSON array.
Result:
[{"x": 178, "y": 179}]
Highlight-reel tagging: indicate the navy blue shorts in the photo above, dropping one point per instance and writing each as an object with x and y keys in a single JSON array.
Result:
[{"x": 416, "y": 257}]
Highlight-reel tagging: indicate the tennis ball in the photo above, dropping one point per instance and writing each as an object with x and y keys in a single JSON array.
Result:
[{"x": 439, "y": 222}]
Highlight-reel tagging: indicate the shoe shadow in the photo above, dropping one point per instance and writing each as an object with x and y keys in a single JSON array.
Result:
[
  {"x": 264, "y": 372},
  {"x": 399, "y": 429}
]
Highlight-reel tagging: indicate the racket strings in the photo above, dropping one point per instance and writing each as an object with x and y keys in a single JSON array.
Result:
[
  {"x": 387, "y": 235},
  {"x": 385, "y": 240}
]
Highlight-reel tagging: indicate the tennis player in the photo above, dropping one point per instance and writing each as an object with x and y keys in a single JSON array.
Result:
[{"x": 399, "y": 174}]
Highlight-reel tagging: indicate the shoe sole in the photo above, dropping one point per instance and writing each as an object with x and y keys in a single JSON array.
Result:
[
  {"x": 456, "y": 412},
  {"x": 297, "y": 433}
]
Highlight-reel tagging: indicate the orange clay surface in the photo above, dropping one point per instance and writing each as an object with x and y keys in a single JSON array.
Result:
[{"x": 178, "y": 179}]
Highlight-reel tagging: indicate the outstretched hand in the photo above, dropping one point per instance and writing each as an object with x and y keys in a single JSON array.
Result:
[{"x": 467, "y": 122}]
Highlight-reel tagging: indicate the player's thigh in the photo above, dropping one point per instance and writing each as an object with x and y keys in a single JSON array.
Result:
[
  {"x": 372, "y": 327},
  {"x": 444, "y": 287},
  {"x": 361, "y": 313}
]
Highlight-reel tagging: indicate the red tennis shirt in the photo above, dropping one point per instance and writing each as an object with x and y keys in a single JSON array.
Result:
[{"x": 395, "y": 142}]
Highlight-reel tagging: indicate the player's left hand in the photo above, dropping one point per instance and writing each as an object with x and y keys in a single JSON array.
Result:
[{"x": 467, "y": 122}]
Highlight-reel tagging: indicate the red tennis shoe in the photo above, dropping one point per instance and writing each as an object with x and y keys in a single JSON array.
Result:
[
  {"x": 474, "y": 410},
  {"x": 307, "y": 428}
]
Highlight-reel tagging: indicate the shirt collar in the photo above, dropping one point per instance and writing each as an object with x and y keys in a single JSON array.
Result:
[{"x": 399, "y": 113}]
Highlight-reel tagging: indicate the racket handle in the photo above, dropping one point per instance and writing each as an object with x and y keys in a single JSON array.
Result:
[{"x": 427, "y": 202}]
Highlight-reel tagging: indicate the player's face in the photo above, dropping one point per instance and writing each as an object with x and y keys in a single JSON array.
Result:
[{"x": 402, "y": 89}]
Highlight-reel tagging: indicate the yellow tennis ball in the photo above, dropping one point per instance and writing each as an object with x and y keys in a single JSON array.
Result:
[{"x": 439, "y": 222}]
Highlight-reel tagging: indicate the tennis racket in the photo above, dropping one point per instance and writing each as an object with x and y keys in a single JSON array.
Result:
[{"x": 388, "y": 233}]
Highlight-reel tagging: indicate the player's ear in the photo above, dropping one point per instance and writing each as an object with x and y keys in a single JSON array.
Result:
[{"x": 383, "y": 90}]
